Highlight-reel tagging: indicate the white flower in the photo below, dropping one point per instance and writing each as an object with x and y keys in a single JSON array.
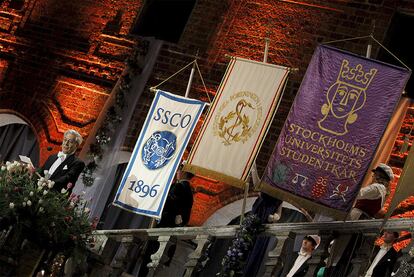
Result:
[
  {"x": 11, "y": 205},
  {"x": 24, "y": 204},
  {"x": 87, "y": 210},
  {"x": 40, "y": 201},
  {"x": 41, "y": 209},
  {"x": 3, "y": 168},
  {"x": 63, "y": 191},
  {"x": 46, "y": 174},
  {"x": 8, "y": 163},
  {"x": 42, "y": 182},
  {"x": 50, "y": 184},
  {"x": 72, "y": 204},
  {"x": 45, "y": 192},
  {"x": 31, "y": 193},
  {"x": 29, "y": 203}
]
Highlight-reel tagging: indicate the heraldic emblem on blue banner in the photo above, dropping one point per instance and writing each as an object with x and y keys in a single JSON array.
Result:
[{"x": 159, "y": 149}]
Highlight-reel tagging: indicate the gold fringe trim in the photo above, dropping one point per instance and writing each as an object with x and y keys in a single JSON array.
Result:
[
  {"x": 214, "y": 175},
  {"x": 301, "y": 202}
]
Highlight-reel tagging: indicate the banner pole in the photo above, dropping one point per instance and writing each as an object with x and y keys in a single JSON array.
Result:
[
  {"x": 369, "y": 46},
  {"x": 190, "y": 81},
  {"x": 266, "y": 50},
  {"x": 246, "y": 192}
]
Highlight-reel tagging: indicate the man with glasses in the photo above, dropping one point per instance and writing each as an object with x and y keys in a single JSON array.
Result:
[{"x": 64, "y": 168}]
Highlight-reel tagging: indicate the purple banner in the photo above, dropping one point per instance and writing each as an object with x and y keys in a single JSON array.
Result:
[{"x": 334, "y": 126}]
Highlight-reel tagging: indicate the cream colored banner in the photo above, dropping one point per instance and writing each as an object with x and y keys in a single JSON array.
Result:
[{"x": 237, "y": 121}]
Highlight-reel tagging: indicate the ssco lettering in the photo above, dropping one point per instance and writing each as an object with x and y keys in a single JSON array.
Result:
[{"x": 173, "y": 119}]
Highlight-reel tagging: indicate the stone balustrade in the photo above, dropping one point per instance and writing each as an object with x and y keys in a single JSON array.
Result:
[{"x": 201, "y": 236}]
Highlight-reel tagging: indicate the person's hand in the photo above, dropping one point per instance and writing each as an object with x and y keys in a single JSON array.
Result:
[
  {"x": 273, "y": 218},
  {"x": 380, "y": 214},
  {"x": 178, "y": 219}
]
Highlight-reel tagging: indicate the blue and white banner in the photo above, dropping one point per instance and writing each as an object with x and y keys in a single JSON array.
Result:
[{"x": 157, "y": 154}]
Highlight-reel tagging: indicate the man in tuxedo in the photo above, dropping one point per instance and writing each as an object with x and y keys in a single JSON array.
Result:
[
  {"x": 177, "y": 209},
  {"x": 386, "y": 257},
  {"x": 298, "y": 265},
  {"x": 64, "y": 168}
]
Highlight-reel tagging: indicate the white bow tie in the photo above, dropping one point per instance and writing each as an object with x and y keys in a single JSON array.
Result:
[
  {"x": 386, "y": 246},
  {"x": 61, "y": 155},
  {"x": 303, "y": 253}
]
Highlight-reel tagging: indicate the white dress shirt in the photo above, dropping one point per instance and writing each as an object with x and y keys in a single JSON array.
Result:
[
  {"x": 300, "y": 260},
  {"x": 60, "y": 158},
  {"x": 371, "y": 192},
  {"x": 381, "y": 253}
]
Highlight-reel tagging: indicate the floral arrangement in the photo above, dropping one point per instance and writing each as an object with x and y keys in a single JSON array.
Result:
[
  {"x": 236, "y": 257},
  {"x": 32, "y": 210}
]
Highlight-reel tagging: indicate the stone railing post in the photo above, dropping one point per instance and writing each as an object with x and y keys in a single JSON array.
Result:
[
  {"x": 202, "y": 243},
  {"x": 156, "y": 257},
  {"x": 274, "y": 260},
  {"x": 120, "y": 260},
  {"x": 362, "y": 255}
]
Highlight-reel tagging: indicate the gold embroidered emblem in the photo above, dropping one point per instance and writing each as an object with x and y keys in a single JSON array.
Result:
[
  {"x": 345, "y": 97},
  {"x": 238, "y": 118}
]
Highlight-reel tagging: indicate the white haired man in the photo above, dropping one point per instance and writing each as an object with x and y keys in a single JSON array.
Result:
[{"x": 63, "y": 167}]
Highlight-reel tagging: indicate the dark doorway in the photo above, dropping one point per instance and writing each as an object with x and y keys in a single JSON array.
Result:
[
  {"x": 163, "y": 19},
  {"x": 17, "y": 138},
  {"x": 398, "y": 41}
]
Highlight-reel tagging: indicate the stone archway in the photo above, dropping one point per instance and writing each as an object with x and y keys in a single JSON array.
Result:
[
  {"x": 226, "y": 214},
  {"x": 17, "y": 138}
]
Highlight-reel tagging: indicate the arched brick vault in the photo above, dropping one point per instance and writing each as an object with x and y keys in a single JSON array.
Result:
[
  {"x": 229, "y": 212},
  {"x": 210, "y": 196}
]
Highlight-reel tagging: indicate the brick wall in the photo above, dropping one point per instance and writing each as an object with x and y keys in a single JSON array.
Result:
[{"x": 59, "y": 61}]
